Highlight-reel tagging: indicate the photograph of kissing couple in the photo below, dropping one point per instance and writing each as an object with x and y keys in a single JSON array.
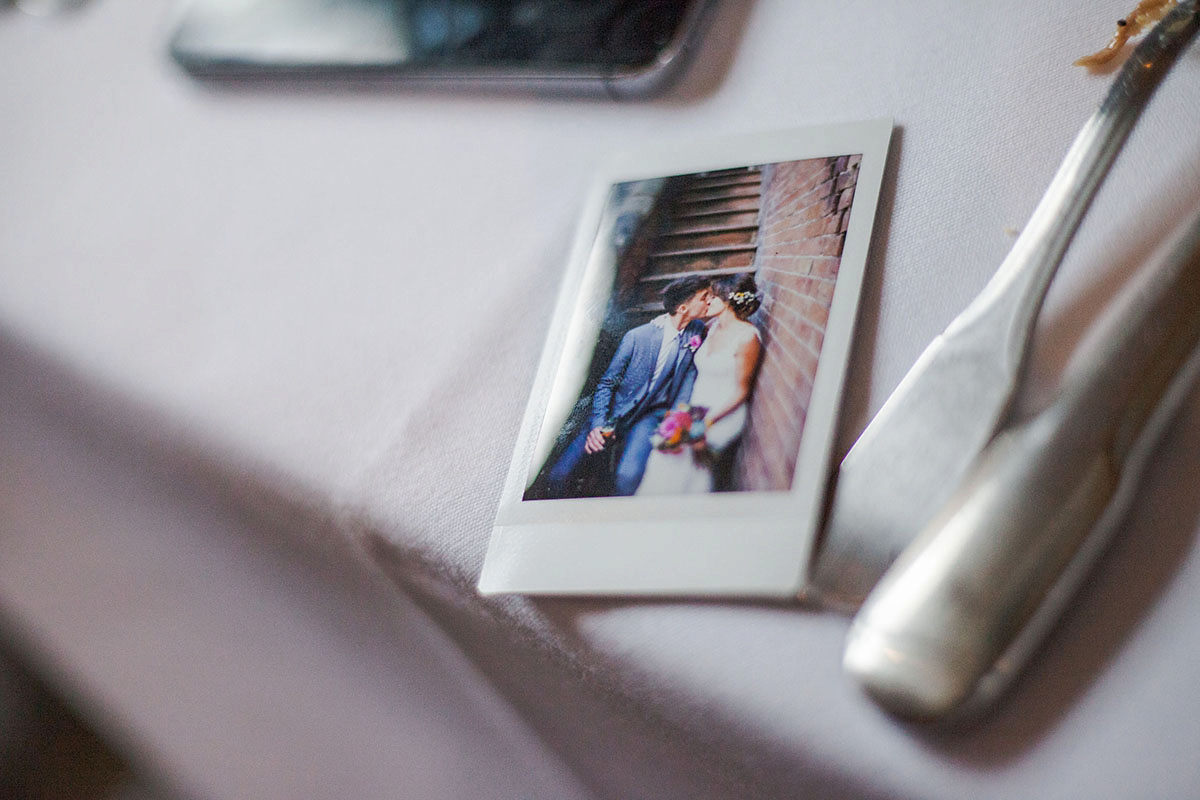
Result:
[{"x": 710, "y": 336}]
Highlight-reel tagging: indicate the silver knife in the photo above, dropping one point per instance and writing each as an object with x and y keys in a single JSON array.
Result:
[
  {"x": 959, "y": 612},
  {"x": 919, "y": 447}
]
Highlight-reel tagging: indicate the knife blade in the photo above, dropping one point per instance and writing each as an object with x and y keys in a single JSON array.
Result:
[
  {"x": 954, "y": 618},
  {"x": 919, "y": 447}
]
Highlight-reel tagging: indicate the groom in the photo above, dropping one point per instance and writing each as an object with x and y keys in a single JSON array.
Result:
[{"x": 651, "y": 371}]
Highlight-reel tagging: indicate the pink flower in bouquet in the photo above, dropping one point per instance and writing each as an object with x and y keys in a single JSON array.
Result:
[
  {"x": 673, "y": 429},
  {"x": 682, "y": 426}
]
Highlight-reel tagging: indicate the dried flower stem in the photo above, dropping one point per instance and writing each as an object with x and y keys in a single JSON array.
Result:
[{"x": 1146, "y": 14}]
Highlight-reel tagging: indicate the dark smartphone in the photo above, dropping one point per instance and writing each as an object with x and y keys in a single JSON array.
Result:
[{"x": 624, "y": 48}]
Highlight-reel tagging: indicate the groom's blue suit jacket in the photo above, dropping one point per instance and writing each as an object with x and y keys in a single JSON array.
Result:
[{"x": 624, "y": 391}]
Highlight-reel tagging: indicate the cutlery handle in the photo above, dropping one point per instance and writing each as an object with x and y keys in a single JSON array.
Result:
[
  {"x": 970, "y": 598},
  {"x": 1016, "y": 291},
  {"x": 925, "y": 438}
]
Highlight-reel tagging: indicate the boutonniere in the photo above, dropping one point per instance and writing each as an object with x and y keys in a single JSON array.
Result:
[{"x": 694, "y": 343}]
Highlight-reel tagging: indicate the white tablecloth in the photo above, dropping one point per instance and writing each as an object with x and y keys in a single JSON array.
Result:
[{"x": 309, "y": 290}]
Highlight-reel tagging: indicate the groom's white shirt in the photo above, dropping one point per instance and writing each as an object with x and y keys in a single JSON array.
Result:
[{"x": 667, "y": 348}]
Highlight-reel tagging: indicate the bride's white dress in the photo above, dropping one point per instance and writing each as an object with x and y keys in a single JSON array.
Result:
[{"x": 716, "y": 386}]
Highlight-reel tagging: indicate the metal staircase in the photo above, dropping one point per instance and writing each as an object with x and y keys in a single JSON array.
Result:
[{"x": 708, "y": 226}]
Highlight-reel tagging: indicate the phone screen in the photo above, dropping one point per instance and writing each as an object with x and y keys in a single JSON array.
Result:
[{"x": 564, "y": 39}]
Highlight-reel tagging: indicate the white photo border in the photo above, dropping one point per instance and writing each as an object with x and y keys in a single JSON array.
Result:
[{"x": 680, "y": 546}]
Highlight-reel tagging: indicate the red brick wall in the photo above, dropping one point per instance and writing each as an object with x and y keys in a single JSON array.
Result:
[{"x": 802, "y": 227}]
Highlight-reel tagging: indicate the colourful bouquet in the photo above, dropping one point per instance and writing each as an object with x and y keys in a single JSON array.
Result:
[{"x": 683, "y": 425}]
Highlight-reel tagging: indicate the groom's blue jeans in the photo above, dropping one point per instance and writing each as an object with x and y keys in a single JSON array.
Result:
[
  {"x": 632, "y": 465},
  {"x": 558, "y": 479},
  {"x": 635, "y": 444}
]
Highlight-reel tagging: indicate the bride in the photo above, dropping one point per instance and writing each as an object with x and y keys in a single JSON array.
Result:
[{"x": 725, "y": 368}]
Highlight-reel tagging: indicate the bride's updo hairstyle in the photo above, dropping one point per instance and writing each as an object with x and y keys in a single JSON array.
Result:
[{"x": 740, "y": 293}]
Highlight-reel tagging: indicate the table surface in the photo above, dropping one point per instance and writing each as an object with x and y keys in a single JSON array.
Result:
[{"x": 238, "y": 322}]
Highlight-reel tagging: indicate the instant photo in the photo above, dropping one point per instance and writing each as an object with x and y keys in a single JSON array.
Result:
[{"x": 678, "y": 436}]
